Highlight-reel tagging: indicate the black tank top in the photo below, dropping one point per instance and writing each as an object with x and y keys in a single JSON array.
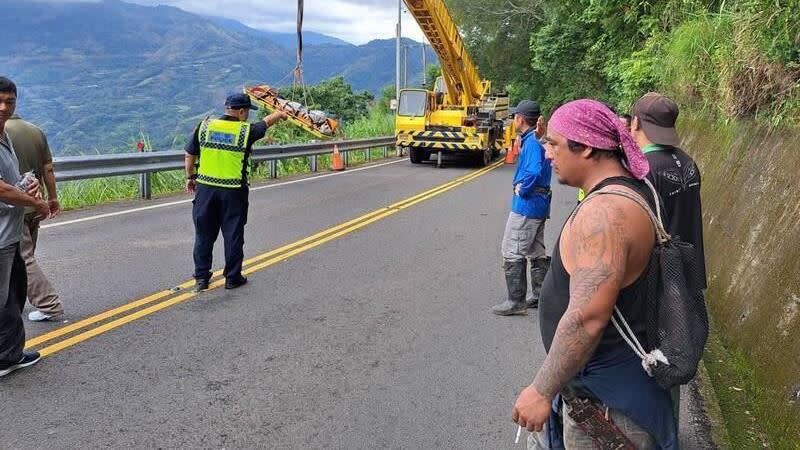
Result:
[{"x": 631, "y": 300}]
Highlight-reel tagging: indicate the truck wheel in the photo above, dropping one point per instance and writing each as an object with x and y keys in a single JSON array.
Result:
[
  {"x": 485, "y": 157},
  {"x": 415, "y": 155}
]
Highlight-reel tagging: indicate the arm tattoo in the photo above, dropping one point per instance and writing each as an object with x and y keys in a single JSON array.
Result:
[{"x": 599, "y": 253}]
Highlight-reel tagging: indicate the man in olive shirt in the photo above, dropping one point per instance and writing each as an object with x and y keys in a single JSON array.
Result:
[{"x": 33, "y": 153}]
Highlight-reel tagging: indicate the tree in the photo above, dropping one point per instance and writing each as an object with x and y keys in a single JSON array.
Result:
[
  {"x": 385, "y": 102},
  {"x": 432, "y": 72},
  {"x": 334, "y": 96},
  {"x": 554, "y": 51},
  {"x": 497, "y": 33}
]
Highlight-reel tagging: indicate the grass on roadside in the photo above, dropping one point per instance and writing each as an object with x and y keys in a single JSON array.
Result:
[
  {"x": 83, "y": 193},
  {"x": 743, "y": 400}
]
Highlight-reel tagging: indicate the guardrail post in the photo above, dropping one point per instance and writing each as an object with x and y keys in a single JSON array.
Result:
[
  {"x": 369, "y": 154},
  {"x": 346, "y": 158},
  {"x": 313, "y": 163},
  {"x": 273, "y": 169},
  {"x": 145, "y": 188},
  {"x": 385, "y": 152}
]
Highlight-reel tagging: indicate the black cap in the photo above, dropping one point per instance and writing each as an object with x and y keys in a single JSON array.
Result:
[
  {"x": 239, "y": 101},
  {"x": 657, "y": 116},
  {"x": 528, "y": 109}
]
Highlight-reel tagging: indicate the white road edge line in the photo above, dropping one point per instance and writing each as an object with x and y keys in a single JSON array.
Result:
[{"x": 180, "y": 202}]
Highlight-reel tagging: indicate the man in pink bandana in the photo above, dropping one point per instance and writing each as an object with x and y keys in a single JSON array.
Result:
[{"x": 600, "y": 257}]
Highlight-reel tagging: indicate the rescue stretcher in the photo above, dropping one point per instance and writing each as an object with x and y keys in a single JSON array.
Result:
[{"x": 313, "y": 121}]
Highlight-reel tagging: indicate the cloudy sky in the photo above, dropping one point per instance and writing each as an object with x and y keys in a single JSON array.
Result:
[{"x": 356, "y": 21}]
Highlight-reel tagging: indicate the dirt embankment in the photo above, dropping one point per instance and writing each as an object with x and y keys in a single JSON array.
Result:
[{"x": 751, "y": 206}]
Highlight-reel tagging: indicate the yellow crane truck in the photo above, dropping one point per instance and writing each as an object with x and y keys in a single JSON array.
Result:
[{"x": 461, "y": 115}]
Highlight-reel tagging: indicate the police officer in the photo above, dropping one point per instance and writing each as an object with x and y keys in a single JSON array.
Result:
[{"x": 220, "y": 186}]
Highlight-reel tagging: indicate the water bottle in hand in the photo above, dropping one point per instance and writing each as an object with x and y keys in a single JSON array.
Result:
[{"x": 27, "y": 180}]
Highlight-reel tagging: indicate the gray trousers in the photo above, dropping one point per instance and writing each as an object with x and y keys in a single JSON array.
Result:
[
  {"x": 41, "y": 293},
  {"x": 13, "y": 287},
  {"x": 523, "y": 238}
]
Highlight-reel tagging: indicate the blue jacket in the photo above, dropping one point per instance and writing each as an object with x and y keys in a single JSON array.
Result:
[{"x": 533, "y": 173}]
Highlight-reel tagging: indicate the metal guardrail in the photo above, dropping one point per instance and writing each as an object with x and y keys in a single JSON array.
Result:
[{"x": 102, "y": 166}]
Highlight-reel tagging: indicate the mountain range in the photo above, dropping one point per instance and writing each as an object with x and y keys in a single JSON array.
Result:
[
  {"x": 94, "y": 75},
  {"x": 288, "y": 40}
]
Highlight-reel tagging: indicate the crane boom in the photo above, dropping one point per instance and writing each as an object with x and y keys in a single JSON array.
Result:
[{"x": 464, "y": 85}]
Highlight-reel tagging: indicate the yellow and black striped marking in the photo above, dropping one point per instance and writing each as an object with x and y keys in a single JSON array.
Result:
[
  {"x": 439, "y": 134},
  {"x": 445, "y": 145}
]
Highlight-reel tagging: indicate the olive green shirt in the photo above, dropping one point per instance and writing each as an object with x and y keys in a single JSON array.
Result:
[{"x": 31, "y": 147}]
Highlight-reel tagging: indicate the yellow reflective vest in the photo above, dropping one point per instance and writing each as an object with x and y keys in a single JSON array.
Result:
[{"x": 223, "y": 151}]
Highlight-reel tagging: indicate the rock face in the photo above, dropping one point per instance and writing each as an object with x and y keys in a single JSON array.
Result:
[{"x": 751, "y": 207}]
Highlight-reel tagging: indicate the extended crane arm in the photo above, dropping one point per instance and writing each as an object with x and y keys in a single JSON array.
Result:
[{"x": 464, "y": 85}]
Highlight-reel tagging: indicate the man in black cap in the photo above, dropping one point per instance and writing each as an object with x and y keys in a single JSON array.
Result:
[
  {"x": 530, "y": 205},
  {"x": 673, "y": 172},
  {"x": 220, "y": 185}
]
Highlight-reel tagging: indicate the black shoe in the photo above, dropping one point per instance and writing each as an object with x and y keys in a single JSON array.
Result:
[
  {"x": 236, "y": 282},
  {"x": 28, "y": 359},
  {"x": 201, "y": 284},
  {"x": 532, "y": 304}
]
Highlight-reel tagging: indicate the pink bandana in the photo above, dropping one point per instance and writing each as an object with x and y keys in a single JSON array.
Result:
[{"x": 591, "y": 123}]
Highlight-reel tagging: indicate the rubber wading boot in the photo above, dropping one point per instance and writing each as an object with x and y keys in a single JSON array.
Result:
[
  {"x": 517, "y": 283},
  {"x": 539, "y": 267}
]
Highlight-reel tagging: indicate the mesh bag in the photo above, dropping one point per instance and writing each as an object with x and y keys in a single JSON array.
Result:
[{"x": 676, "y": 316}]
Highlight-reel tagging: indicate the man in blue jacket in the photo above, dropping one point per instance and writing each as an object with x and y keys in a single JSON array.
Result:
[{"x": 530, "y": 207}]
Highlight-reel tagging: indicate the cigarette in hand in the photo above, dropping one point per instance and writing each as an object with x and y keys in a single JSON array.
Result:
[{"x": 519, "y": 430}]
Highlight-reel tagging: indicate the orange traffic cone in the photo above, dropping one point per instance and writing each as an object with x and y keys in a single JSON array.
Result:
[
  {"x": 511, "y": 153},
  {"x": 336, "y": 160}
]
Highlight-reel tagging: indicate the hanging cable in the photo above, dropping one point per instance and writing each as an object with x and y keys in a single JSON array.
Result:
[
  {"x": 307, "y": 98},
  {"x": 298, "y": 69}
]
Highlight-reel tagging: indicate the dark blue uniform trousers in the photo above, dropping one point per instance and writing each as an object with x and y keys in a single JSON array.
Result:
[{"x": 218, "y": 208}]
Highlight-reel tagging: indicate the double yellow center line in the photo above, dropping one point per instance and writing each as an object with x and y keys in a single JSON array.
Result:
[{"x": 72, "y": 334}]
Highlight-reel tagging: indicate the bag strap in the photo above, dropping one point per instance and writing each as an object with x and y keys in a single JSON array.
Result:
[{"x": 655, "y": 218}]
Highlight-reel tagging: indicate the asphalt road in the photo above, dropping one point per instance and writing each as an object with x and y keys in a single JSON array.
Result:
[{"x": 374, "y": 336}]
